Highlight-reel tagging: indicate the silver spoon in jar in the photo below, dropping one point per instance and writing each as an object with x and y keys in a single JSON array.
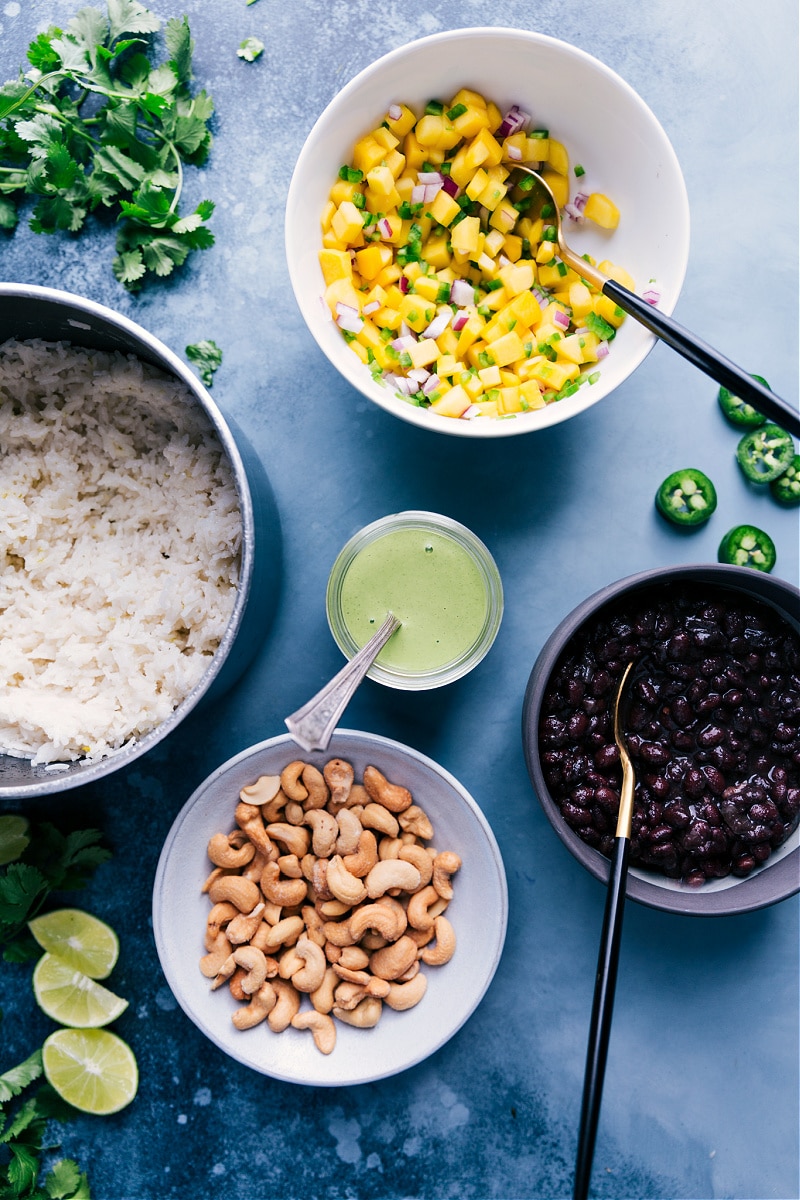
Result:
[
  {"x": 606, "y": 977},
  {"x": 313, "y": 724},
  {"x": 698, "y": 352}
]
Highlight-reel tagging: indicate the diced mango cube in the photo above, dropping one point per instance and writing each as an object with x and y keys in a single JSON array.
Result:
[
  {"x": 508, "y": 400},
  {"x": 558, "y": 158},
  {"x": 601, "y": 210},
  {"x": 443, "y": 207},
  {"x": 347, "y": 222},
  {"x": 402, "y": 124},
  {"x": 517, "y": 277},
  {"x": 384, "y": 137},
  {"x": 466, "y": 235},
  {"x": 371, "y": 260},
  {"x": 417, "y": 312},
  {"x": 453, "y": 404},
  {"x": 530, "y": 395},
  {"x": 448, "y": 364},
  {"x": 335, "y": 264},
  {"x": 507, "y": 349},
  {"x": 342, "y": 290},
  {"x": 580, "y": 300},
  {"x": 380, "y": 180},
  {"x": 435, "y": 130},
  {"x": 559, "y": 186},
  {"x": 609, "y": 311},
  {"x": 553, "y": 374},
  {"x": 367, "y": 153},
  {"x": 424, "y": 352},
  {"x": 618, "y": 274}
]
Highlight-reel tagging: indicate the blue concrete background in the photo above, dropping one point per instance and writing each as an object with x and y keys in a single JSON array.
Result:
[{"x": 701, "y": 1096}]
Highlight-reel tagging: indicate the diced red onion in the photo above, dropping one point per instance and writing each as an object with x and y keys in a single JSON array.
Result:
[
  {"x": 471, "y": 412},
  {"x": 462, "y": 293},
  {"x": 372, "y": 307},
  {"x": 348, "y": 318},
  {"x": 395, "y": 112},
  {"x": 602, "y": 349},
  {"x": 514, "y": 153},
  {"x": 651, "y": 296},
  {"x": 450, "y": 186},
  {"x": 439, "y": 323},
  {"x": 431, "y": 384},
  {"x": 399, "y": 383},
  {"x": 573, "y": 212},
  {"x": 579, "y": 200},
  {"x": 514, "y": 120},
  {"x": 560, "y": 318},
  {"x": 405, "y": 342},
  {"x": 405, "y": 330},
  {"x": 419, "y": 374},
  {"x": 460, "y": 320},
  {"x": 429, "y": 177},
  {"x": 385, "y": 227},
  {"x": 503, "y": 261},
  {"x": 431, "y": 190},
  {"x": 402, "y": 283},
  {"x": 418, "y": 193}
]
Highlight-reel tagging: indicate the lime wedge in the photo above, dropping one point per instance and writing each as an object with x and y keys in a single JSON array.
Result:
[
  {"x": 72, "y": 998},
  {"x": 83, "y": 941},
  {"x": 92, "y": 1069}
]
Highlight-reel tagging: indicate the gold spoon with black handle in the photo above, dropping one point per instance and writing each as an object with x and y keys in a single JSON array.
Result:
[{"x": 606, "y": 978}]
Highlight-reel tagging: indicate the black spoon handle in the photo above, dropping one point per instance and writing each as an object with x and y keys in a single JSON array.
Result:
[
  {"x": 602, "y": 1009},
  {"x": 707, "y": 359}
]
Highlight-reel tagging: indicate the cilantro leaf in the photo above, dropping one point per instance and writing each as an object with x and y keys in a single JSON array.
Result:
[
  {"x": 207, "y": 357},
  {"x": 13, "y": 1081},
  {"x": 66, "y": 1181},
  {"x": 126, "y": 153},
  {"x": 21, "y": 887}
]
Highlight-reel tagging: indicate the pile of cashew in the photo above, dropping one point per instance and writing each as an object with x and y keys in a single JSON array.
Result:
[{"x": 327, "y": 888}]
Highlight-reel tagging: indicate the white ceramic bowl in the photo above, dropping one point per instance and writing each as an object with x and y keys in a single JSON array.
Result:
[
  {"x": 604, "y": 125},
  {"x": 478, "y": 912}
]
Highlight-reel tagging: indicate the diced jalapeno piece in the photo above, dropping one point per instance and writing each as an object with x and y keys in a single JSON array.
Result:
[
  {"x": 786, "y": 488},
  {"x": 765, "y": 453},
  {"x": 738, "y": 411},
  {"x": 747, "y": 546},
  {"x": 686, "y": 497}
]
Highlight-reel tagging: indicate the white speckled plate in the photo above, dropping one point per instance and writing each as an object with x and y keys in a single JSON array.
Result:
[{"x": 478, "y": 913}]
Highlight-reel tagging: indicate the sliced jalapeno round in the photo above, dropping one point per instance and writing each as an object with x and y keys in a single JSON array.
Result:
[
  {"x": 765, "y": 453},
  {"x": 686, "y": 497},
  {"x": 786, "y": 488},
  {"x": 747, "y": 546},
  {"x": 738, "y": 411}
]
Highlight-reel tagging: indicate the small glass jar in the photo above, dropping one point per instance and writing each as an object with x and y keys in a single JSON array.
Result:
[{"x": 437, "y": 577}]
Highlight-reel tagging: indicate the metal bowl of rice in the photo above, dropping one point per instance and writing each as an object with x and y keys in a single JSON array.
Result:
[{"x": 139, "y": 542}]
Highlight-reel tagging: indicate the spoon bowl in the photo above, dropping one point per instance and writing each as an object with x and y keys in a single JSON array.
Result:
[{"x": 542, "y": 203}]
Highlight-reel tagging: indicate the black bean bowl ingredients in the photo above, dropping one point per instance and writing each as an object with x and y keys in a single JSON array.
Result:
[{"x": 713, "y": 730}]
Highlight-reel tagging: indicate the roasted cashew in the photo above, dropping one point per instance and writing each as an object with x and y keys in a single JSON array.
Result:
[
  {"x": 316, "y": 788},
  {"x": 325, "y": 831},
  {"x": 365, "y": 1015},
  {"x": 235, "y": 984},
  {"x": 445, "y": 865},
  {"x": 338, "y": 933},
  {"x": 363, "y": 860},
  {"x": 350, "y": 829},
  {"x": 256, "y": 865},
  {"x": 248, "y": 817},
  {"x": 359, "y": 978},
  {"x": 223, "y": 854},
  {"x": 354, "y": 958},
  {"x": 263, "y": 791},
  {"x": 391, "y": 795},
  {"x": 389, "y": 847},
  {"x": 395, "y": 959},
  {"x": 261, "y": 1005},
  {"x": 291, "y": 781},
  {"x": 331, "y": 909},
  {"x": 339, "y": 776},
  {"x": 255, "y": 964},
  {"x": 410, "y": 973},
  {"x": 213, "y": 876},
  {"x": 287, "y": 1006},
  {"x": 240, "y": 891},
  {"x": 286, "y": 892},
  {"x": 218, "y": 954},
  {"x": 244, "y": 925},
  {"x": 405, "y": 995},
  {"x": 321, "y": 1026},
  {"x": 294, "y": 812},
  {"x": 347, "y": 995},
  {"x": 442, "y": 949},
  {"x": 314, "y": 924},
  {"x": 314, "y": 965},
  {"x": 415, "y": 821},
  {"x": 274, "y": 809},
  {"x": 295, "y": 838},
  {"x": 391, "y": 873},
  {"x": 379, "y": 917},
  {"x": 344, "y": 886},
  {"x": 419, "y": 856},
  {"x": 290, "y": 866},
  {"x": 322, "y": 997},
  {"x": 359, "y": 796},
  {"x": 332, "y": 953},
  {"x": 319, "y": 880},
  {"x": 424, "y": 906},
  {"x": 224, "y": 972},
  {"x": 219, "y": 916},
  {"x": 285, "y": 933},
  {"x": 375, "y": 816},
  {"x": 289, "y": 962}
]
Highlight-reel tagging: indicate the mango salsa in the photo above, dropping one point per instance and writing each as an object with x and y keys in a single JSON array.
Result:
[{"x": 446, "y": 287}]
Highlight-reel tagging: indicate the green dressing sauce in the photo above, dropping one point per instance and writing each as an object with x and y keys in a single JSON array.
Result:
[{"x": 427, "y": 580}]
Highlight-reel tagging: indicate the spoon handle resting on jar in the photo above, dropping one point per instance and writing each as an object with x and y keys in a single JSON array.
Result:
[
  {"x": 607, "y": 963},
  {"x": 313, "y": 724}
]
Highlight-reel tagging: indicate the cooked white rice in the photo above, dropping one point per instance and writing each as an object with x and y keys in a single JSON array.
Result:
[{"x": 119, "y": 549}]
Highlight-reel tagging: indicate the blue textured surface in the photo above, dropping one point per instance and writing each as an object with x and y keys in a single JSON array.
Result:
[{"x": 701, "y": 1096}]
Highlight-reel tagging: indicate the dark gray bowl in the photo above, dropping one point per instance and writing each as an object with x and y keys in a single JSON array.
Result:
[
  {"x": 28, "y": 312},
  {"x": 779, "y": 877}
]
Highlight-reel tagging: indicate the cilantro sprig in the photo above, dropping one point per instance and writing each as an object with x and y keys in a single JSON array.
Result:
[
  {"x": 49, "y": 861},
  {"x": 22, "y": 1130},
  {"x": 93, "y": 124}
]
